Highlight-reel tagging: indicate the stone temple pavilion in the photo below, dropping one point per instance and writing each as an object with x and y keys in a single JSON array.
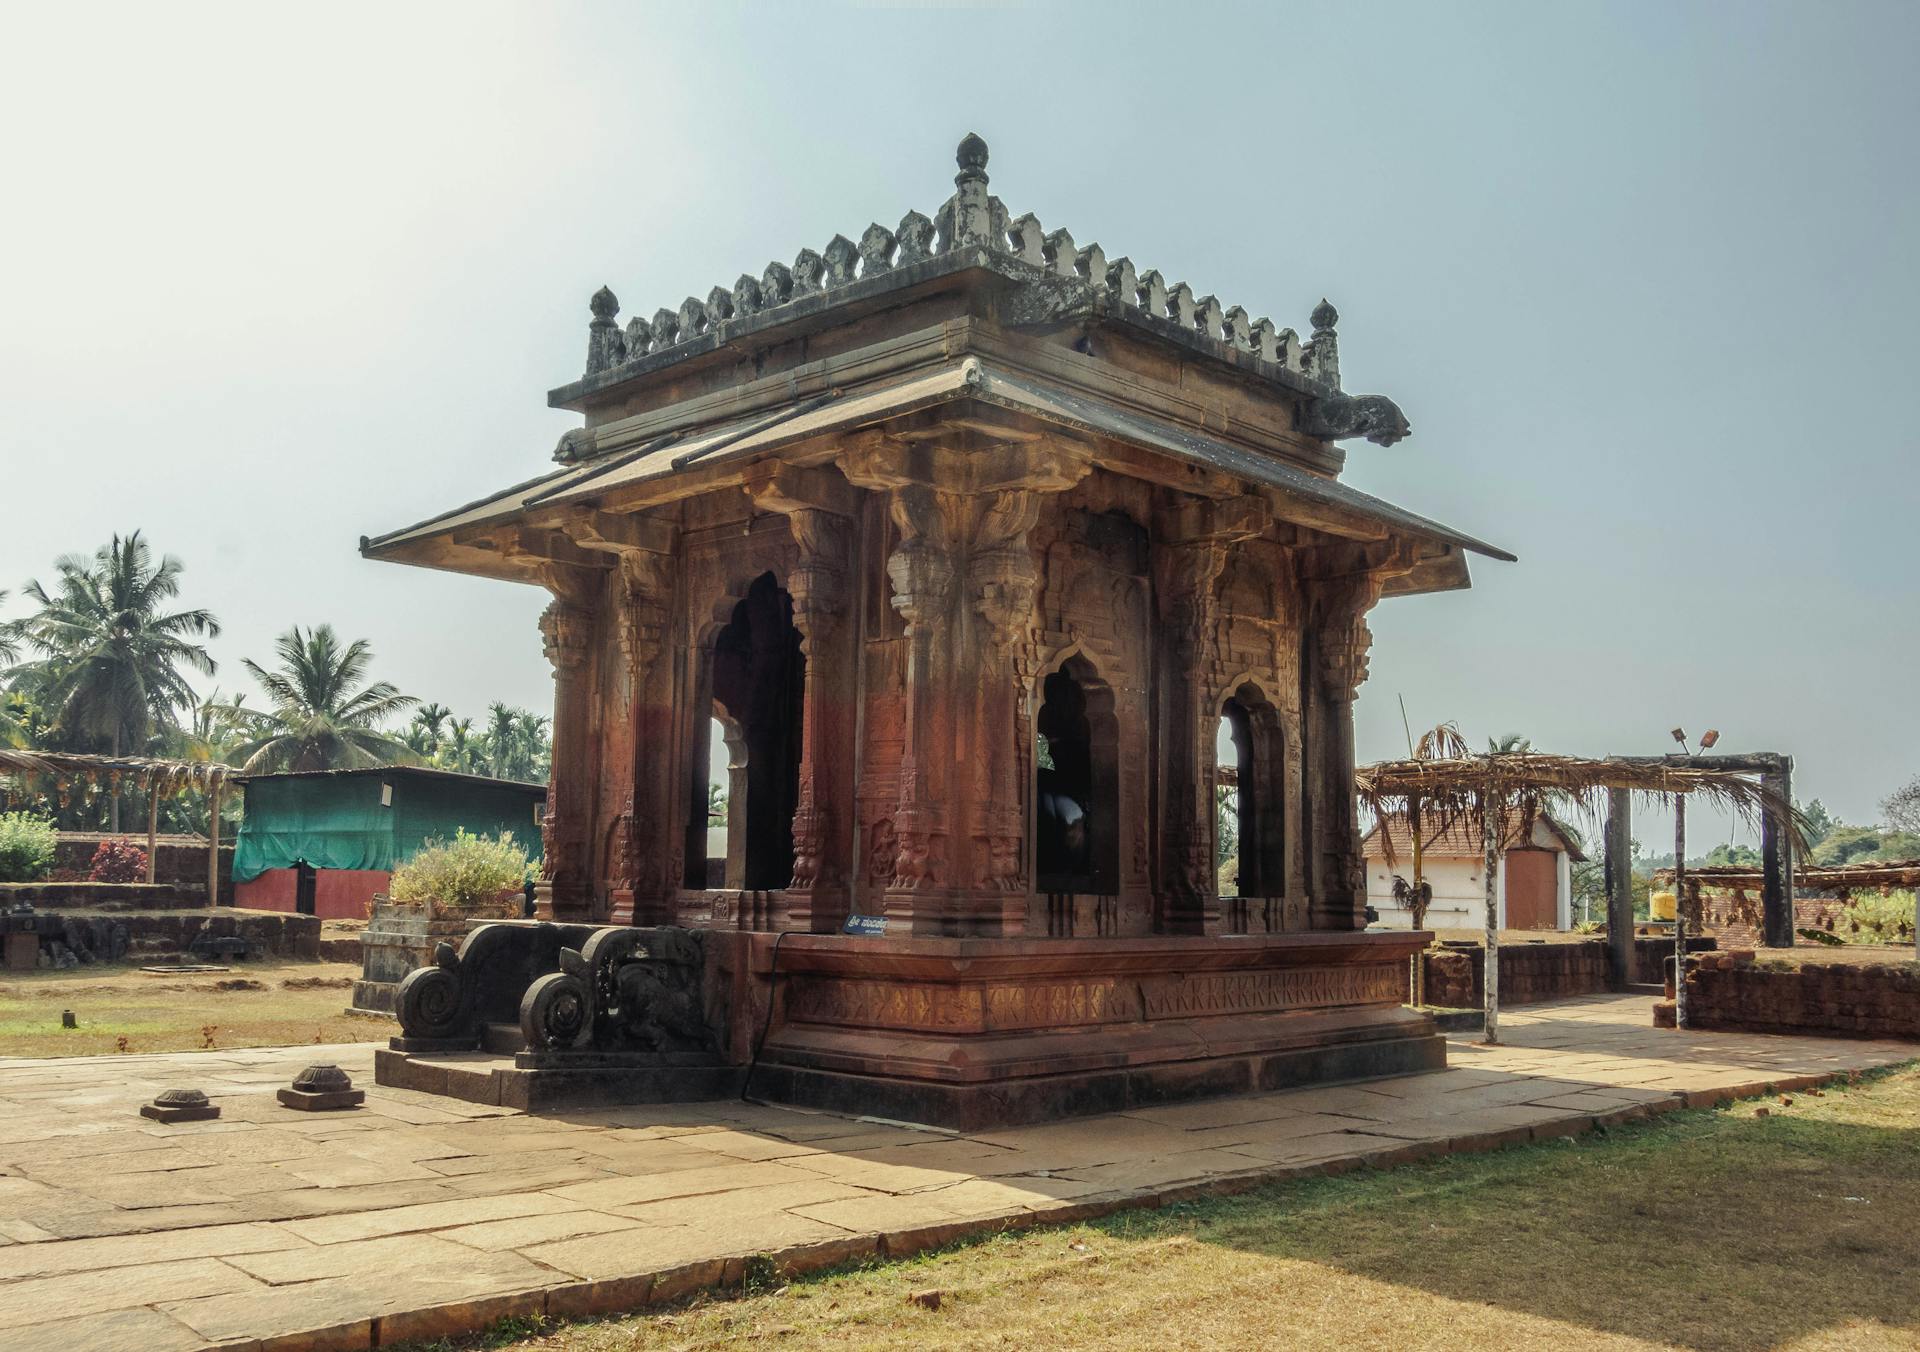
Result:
[{"x": 964, "y": 539}]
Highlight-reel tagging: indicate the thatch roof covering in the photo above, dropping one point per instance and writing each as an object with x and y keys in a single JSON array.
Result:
[
  {"x": 114, "y": 772},
  {"x": 1454, "y": 837},
  {"x": 1528, "y": 782},
  {"x": 1836, "y": 877}
]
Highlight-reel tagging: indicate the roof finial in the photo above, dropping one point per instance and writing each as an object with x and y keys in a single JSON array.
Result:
[
  {"x": 972, "y": 159},
  {"x": 604, "y": 345},
  {"x": 1323, "y": 353}
]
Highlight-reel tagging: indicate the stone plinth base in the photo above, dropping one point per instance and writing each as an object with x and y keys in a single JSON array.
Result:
[
  {"x": 322, "y": 1101},
  {"x": 962, "y": 1033},
  {"x": 971, "y": 1033},
  {"x": 399, "y": 938},
  {"x": 168, "y": 1115}
]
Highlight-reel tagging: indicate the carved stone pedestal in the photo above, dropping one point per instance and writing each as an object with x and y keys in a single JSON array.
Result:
[
  {"x": 974, "y": 1033},
  {"x": 962, "y": 1033}
]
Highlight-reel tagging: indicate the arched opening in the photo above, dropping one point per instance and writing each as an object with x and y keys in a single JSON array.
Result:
[
  {"x": 759, "y": 687},
  {"x": 1251, "y": 796},
  {"x": 1231, "y": 747},
  {"x": 1076, "y": 801},
  {"x": 726, "y": 836}
]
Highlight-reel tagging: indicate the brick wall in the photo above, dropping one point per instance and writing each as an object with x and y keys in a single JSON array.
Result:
[
  {"x": 1737, "y": 920},
  {"x": 1532, "y": 972},
  {"x": 1727, "y": 991},
  {"x": 179, "y": 859}
]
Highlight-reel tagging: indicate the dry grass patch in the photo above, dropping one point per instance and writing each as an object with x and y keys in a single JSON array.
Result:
[
  {"x": 266, "y": 1004},
  {"x": 1717, "y": 1229}
]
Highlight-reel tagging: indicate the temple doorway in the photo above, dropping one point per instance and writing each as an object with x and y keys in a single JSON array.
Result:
[
  {"x": 1076, "y": 807},
  {"x": 759, "y": 690},
  {"x": 1251, "y": 796}
]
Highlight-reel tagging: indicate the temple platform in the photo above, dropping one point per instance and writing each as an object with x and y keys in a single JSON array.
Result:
[{"x": 957, "y": 1033}]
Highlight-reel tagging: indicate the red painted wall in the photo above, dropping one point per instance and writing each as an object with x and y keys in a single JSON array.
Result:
[{"x": 338, "y": 894}]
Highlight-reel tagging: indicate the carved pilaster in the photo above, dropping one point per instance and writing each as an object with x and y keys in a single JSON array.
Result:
[
  {"x": 1342, "y": 586},
  {"x": 1004, "y": 583},
  {"x": 818, "y": 506},
  {"x": 566, "y": 631},
  {"x": 1194, "y": 543},
  {"x": 638, "y": 884},
  {"x": 921, "y": 570}
]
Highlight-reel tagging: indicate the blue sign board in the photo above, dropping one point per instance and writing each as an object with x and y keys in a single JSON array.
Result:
[{"x": 871, "y": 925}]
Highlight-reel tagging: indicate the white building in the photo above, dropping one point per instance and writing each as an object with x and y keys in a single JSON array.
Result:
[{"x": 1534, "y": 886}]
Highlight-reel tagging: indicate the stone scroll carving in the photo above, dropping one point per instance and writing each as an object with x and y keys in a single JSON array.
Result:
[
  {"x": 624, "y": 990},
  {"x": 602, "y": 989}
]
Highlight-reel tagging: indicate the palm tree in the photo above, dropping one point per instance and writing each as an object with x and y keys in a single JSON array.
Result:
[
  {"x": 1512, "y": 742},
  {"x": 429, "y": 719},
  {"x": 9, "y": 637},
  {"x": 458, "y": 752},
  {"x": 109, "y": 656},
  {"x": 324, "y": 716},
  {"x": 502, "y": 723}
]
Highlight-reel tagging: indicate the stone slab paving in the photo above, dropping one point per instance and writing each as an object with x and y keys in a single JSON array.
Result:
[{"x": 415, "y": 1217}]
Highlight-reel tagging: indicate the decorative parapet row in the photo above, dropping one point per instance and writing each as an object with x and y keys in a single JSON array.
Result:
[{"x": 970, "y": 218}]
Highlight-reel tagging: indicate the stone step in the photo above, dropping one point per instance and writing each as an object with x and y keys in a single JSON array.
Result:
[
  {"x": 475, "y": 1077},
  {"x": 503, "y": 1039}
]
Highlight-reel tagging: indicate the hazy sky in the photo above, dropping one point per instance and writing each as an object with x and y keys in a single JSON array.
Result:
[{"x": 1643, "y": 277}]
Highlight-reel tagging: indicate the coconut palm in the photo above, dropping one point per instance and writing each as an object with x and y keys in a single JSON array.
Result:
[
  {"x": 457, "y": 754},
  {"x": 325, "y": 715},
  {"x": 108, "y": 654},
  {"x": 9, "y": 637},
  {"x": 1512, "y": 742},
  {"x": 429, "y": 719}
]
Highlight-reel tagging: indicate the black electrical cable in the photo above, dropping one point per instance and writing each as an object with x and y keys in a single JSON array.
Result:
[{"x": 766, "y": 1025}]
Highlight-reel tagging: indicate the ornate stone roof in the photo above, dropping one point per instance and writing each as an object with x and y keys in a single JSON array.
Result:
[{"x": 974, "y": 228}]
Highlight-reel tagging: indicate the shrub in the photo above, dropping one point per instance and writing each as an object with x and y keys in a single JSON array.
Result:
[
  {"x": 118, "y": 861},
  {"x": 462, "y": 873},
  {"x": 1874, "y": 919},
  {"x": 26, "y": 847}
]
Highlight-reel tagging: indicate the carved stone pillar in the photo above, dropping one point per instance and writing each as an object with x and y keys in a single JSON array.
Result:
[
  {"x": 1189, "y": 556},
  {"x": 965, "y": 582},
  {"x": 1340, "y": 896},
  {"x": 567, "y": 890},
  {"x": 921, "y": 570},
  {"x": 1004, "y": 583},
  {"x": 640, "y": 890},
  {"x": 1342, "y": 587},
  {"x": 819, "y": 505},
  {"x": 819, "y": 896}
]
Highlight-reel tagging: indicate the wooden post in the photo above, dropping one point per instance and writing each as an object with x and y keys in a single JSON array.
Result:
[
  {"x": 1776, "y": 864},
  {"x": 153, "y": 828},
  {"x": 1619, "y": 847},
  {"x": 1679, "y": 910},
  {"x": 1418, "y": 917},
  {"x": 214, "y": 786},
  {"x": 1492, "y": 818}
]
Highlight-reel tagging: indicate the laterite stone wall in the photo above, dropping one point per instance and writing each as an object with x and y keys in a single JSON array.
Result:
[{"x": 1728, "y": 991}]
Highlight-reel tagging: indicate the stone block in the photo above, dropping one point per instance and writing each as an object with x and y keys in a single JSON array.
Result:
[
  {"x": 180, "y": 1105},
  {"x": 320, "y": 1101}
]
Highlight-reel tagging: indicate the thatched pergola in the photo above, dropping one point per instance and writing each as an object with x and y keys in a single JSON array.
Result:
[
  {"x": 1487, "y": 788},
  {"x": 1881, "y": 875},
  {"x": 153, "y": 777}
]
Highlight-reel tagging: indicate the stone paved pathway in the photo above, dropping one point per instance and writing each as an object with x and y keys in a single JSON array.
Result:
[{"x": 418, "y": 1216}]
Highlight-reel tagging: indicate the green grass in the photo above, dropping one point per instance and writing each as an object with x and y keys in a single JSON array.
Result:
[
  {"x": 1712, "y": 1229},
  {"x": 282, "y": 1003}
]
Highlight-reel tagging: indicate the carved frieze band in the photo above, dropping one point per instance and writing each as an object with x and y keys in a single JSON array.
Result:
[{"x": 1017, "y": 1006}]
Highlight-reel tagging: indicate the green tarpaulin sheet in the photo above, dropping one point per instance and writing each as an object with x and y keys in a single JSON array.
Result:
[{"x": 338, "y": 821}]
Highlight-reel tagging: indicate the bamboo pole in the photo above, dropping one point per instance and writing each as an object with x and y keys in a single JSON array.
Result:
[
  {"x": 1492, "y": 818},
  {"x": 213, "y": 841},
  {"x": 153, "y": 829},
  {"x": 1679, "y": 910}
]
